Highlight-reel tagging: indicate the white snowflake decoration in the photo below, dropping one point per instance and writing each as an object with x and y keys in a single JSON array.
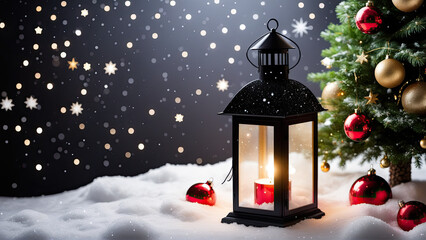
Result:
[
  {"x": 222, "y": 85},
  {"x": 38, "y": 30},
  {"x": 87, "y": 66},
  {"x": 7, "y": 104},
  {"x": 300, "y": 27},
  {"x": 179, "y": 117},
  {"x": 31, "y": 103},
  {"x": 84, "y": 12},
  {"x": 110, "y": 68},
  {"x": 76, "y": 108}
]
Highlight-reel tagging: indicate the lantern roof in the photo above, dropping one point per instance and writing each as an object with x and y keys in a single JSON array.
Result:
[
  {"x": 273, "y": 99},
  {"x": 272, "y": 41}
]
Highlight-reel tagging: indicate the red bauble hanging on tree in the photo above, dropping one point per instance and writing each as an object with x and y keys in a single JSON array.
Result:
[
  {"x": 368, "y": 19},
  {"x": 371, "y": 189},
  {"x": 357, "y": 127},
  {"x": 411, "y": 214},
  {"x": 202, "y": 193}
]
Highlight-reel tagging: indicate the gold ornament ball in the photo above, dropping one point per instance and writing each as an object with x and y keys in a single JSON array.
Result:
[
  {"x": 389, "y": 73},
  {"x": 414, "y": 98},
  {"x": 330, "y": 92},
  {"x": 325, "y": 167},
  {"x": 407, "y": 5},
  {"x": 385, "y": 163},
  {"x": 423, "y": 143}
]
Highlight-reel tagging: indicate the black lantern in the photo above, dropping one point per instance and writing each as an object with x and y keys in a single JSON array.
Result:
[{"x": 275, "y": 148}]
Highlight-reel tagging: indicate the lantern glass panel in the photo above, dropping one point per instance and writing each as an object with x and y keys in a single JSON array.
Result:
[
  {"x": 301, "y": 165},
  {"x": 256, "y": 166}
]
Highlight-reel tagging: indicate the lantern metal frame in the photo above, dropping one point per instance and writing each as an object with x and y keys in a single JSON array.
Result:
[
  {"x": 281, "y": 111},
  {"x": 281, "y": 216}
]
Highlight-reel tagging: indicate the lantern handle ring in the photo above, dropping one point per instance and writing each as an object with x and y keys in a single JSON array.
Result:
[
  {"x": 276, "y": 22},
  {"x": 273, "y": 29}
]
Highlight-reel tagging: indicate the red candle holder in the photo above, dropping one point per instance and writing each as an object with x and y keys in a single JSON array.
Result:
[{"x": 263, "y": 191}]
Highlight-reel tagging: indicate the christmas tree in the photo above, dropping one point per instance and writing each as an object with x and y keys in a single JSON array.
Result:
[{"x": 389, "y": 95}]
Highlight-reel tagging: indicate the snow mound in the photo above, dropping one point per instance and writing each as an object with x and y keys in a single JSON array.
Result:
[
  {"x": 33, "y": 234},
  {"x": 107, "y": 189},
  {"x": 74, "y": 215},
  {"x": 28, "y": 217},
  {"x": 368, "y": 227},
  {"x": 415, "y": 190},
  {"x": 133, "y": 207},
  {"x": 129, "y": 229},
  {"x": 180, "y": 210},
  {"x": 153, "y": 206},
  {"x": 419, "y": 232},
  {"x": 166, "y": 174}
]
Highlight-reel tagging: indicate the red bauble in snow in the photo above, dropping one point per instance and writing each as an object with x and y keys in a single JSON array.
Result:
[
  {"x": 357, "y": 127},
  {"x": 371, "y": 189},
  {"x": 202, "y": 193},
  {"x": 368, "y": 19},
  {"x": 411, "y": 214}
]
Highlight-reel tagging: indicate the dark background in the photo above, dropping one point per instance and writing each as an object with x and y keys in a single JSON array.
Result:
[{"x": 152, "y": 74}]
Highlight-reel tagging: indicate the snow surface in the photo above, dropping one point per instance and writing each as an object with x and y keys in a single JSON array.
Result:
[{"x": 153, "y": 206}]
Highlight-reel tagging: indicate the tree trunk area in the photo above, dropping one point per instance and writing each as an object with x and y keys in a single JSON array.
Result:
[{"x": 399, "y": 173}]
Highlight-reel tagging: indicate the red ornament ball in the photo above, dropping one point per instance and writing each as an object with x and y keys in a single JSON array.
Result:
[
  {"x": 202, "y": 193},
  {"x": 357, "y": 127},
  {"x": 371, "y": 189},
  {"x": 411, "y": 214},
  {"x": 368, "y": 20}
]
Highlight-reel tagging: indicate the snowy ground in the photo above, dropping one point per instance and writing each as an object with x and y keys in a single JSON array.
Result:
[{"x": 153, "y": 206}]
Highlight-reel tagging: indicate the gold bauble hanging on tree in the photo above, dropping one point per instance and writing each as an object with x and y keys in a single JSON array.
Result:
[
  {"x": 423, "y": 143},
  {"x": 407, "y": 5},
  {"x": 325, "y": 167},
  {"x": 414, "y": 98},
  {"x": 385, "y": 163},
  {"x": 330, "y": 92},
  {"x": 389, "y": 73}
]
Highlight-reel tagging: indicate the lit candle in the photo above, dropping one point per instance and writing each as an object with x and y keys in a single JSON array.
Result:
[
  {"x": 263, "y": 191},
  {"x": 264, "y": 187}
]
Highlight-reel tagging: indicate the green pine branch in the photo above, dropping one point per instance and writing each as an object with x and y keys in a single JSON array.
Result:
[
  {"x": 394, "y": 131},
  {"x": 416, "y": 26}
]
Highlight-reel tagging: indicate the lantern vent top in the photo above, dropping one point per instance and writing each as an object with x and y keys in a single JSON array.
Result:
[
  {"x": 272, "y": 54},
  {"x": 272, "y": 41}
]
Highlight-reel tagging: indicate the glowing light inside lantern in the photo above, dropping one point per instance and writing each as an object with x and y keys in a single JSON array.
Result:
[
  {"x": 270, "y": 168},
  {"x": 264, "y": 187}
]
